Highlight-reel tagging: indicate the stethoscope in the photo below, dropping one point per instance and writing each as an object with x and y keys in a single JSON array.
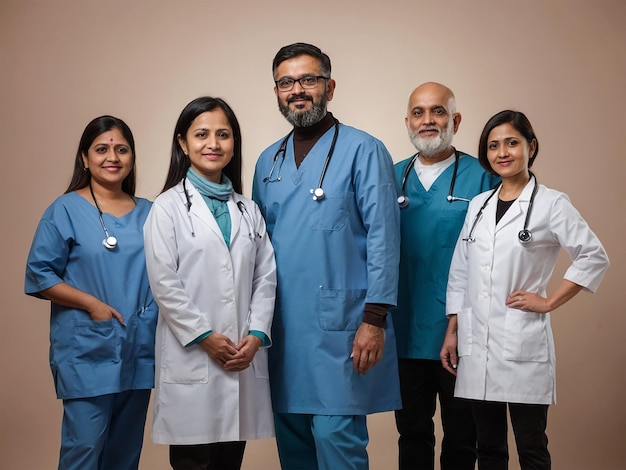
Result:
[
  {"x": 318, "y": 193},
  {"x": 403, "y": 199},
  {"x": 242, "y": 208},
  {"x": 109, "y": 242},
  {"x": 246, "y": 215},
  {"x": 524, "y": 235}
]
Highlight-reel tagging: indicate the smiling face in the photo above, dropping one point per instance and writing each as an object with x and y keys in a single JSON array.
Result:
[
  {"x": 508, "y": 152},
  {"x": 303, "y": 107},
  {"x": 431, "y": 122},
  {"x": 209, "y": 143},
  {"x": 109, "y": 159}
]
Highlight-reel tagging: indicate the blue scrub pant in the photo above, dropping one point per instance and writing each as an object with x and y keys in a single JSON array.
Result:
[
  {"x": 104, "y": 432},
  {"x": 320, "y": 442}
]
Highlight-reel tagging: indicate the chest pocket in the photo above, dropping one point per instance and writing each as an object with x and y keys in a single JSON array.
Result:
[
  {"x": 450, "y": 224},
  {"x": 245, "y": 244},
  {"x": 330, "y": 214}
]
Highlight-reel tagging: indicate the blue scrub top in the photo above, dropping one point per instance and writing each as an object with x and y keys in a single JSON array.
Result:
[
  {"x": 430, "y": 227},
  {"x": 332, "y": 257},
  {"x": 90, "y": 358}
]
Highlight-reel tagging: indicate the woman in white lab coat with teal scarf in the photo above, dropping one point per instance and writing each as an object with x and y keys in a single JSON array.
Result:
[{"x": 211, "y": 267}]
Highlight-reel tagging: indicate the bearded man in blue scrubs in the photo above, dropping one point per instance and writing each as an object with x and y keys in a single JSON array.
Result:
[{"x": 328, "y": 195}]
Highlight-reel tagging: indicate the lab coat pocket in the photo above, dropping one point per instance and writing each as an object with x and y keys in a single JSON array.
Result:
[
  {"x": 259, "y": 364},
  {"x": 526, "y": 336},
  {"x": 328, "y": 214},
  {"x": 464, "y": 332},
  {"x": 341, "y": 309},
  {"x": 95, "y": 342},
  {"x": 180, "y": 365}
]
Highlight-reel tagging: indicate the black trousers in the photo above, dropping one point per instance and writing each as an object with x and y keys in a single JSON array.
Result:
[
  {"x": 214, "y": 456},
  {"x": 421, "y": 381},
  {"x": 529, "y": 427}
]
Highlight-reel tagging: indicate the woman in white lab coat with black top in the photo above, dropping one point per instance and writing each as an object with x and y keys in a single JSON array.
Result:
[
  {"x": 499, "y": 342},
  {"x": 212, "y": 272}
]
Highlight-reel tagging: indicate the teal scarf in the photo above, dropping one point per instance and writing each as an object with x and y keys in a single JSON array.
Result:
[{"x": 216, "y": 198}]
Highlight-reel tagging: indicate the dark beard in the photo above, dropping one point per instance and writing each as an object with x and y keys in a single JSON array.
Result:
[{"x": 305, "y": 118}]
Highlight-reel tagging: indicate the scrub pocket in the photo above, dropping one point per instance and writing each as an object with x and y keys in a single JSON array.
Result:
[
  {"x": 464, "y": 332},
  {"x": 526, "y": 336},
  {"x": 144, "y": 326},
  {"x": 341, "y": 309},
  {"x": 329, "y": 214},
  {"x": 95, "y": 342},
  {"x": 449, "y": 224}
]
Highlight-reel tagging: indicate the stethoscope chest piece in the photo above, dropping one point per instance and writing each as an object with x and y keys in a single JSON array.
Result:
[
  {"x": 318, "y": 194},
  {"x": 525, "y": 236},
  {"x": 110, "y": 243},
  {"x": 403, "y": 201}
]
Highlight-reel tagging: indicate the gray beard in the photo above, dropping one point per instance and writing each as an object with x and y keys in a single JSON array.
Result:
[
  {"x": 305, "y": 118},
  {"x": 431, "y": 146}
]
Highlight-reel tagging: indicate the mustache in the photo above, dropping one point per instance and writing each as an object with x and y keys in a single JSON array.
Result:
[{"x": 301, "y": 96}]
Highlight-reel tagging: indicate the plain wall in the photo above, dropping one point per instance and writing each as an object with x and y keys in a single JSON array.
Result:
[{"x": 563, "y": 63}]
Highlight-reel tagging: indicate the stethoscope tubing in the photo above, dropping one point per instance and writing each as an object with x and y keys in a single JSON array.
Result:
[
  {"x": 318, "y": 193},
  {"x": 240, "y": 205},
  {"x": 525, "y": 235},
  {"x": 403, "y": 200},
  {"x": 246, "y": 215},
  {"x": 110, "y": 242}
]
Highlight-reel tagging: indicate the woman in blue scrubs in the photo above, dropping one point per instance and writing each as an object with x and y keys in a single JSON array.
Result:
[{"x": 87, "y": 258}]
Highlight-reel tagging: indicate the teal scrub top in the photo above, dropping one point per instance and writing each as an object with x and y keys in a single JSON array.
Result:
[{"x": 430, "y": 227}]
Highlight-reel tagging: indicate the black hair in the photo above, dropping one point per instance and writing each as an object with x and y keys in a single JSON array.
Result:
[
  {"x": 81, "y": 176},
  {"x": 519, "y": 121},
  {"x": 301, "y": 48},
  {"x": 180, "y": 163}
]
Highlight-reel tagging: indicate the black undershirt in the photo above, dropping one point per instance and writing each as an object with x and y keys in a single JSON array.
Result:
[
  {"x": 502, "y": 207},
  {"x": 304, "y": 138}
]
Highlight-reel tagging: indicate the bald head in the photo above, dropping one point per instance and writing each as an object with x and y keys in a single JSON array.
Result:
[
  {"x": 434, "y": 92},
  {"x": 432, "y": 121}
]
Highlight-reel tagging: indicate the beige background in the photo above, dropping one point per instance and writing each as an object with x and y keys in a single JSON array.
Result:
[{"x": 64, "y": 62}]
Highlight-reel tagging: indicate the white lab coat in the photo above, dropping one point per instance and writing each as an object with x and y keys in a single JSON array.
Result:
[
  {"x": 506, "y": 354},
  {"x": 201, "y": 285}
]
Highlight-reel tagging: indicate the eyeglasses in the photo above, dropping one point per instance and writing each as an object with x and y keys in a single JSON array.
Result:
[{"x": 307, "y": 82}]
